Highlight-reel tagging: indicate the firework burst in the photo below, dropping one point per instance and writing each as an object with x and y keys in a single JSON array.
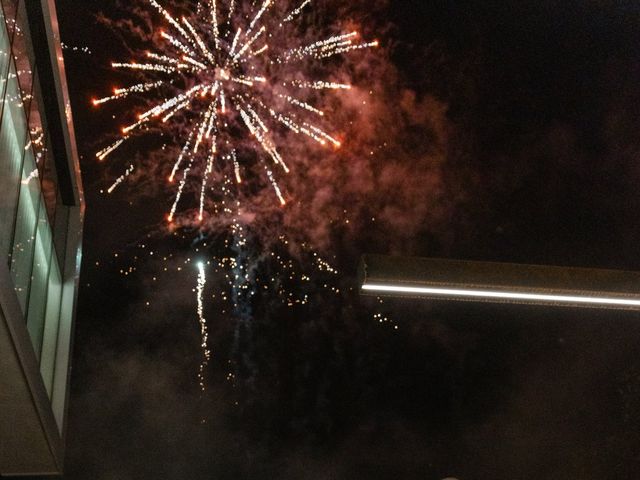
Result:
[{"x": 230, "y": 72}]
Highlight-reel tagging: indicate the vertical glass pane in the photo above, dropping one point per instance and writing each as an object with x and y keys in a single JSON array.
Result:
[
  {"x": 23, "y": 55},
  {"x": 13, "y": 101},
  {"x": 25, "y": 222},
  {"x": 39, "y": 281},
  {"x": 10, "y": 157},
  {"x": 11, "y": 153},
  {"x": 10, "y": 8},
  {"x": 24, "y": 238},
  {"x": 42, "y": 149},
  {"x": 51, "y": 325},
  {"x": 49, "y": 181},
  {"x": 63, "y": 351},
  {"x": 5, "y": 52},
  {"x": 36, "y": 127}
]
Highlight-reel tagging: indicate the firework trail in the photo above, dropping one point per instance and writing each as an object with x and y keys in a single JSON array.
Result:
[
  {"x": 225, "y": 73},
  {"x": 121, "y": 179},
  {"x": 206, "y": 353}
]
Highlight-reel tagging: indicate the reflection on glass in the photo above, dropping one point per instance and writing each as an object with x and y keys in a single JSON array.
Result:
[
  {"x": 5, "y": 52},
  {"x": 11, "y": 153},
  {"x": 10, "y": 8},
  {"x": 39, "y": 281},
  {"x": 10, "y": 157},
  {"x": 51, "y": 326},
  {"x": 23, "y": 55},
  {"x": 24, "y": 238}
]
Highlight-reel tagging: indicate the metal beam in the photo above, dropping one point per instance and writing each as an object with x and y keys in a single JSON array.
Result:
[{"x": 499, "y": 282}]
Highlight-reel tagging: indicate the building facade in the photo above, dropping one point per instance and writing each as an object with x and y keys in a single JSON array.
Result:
[{"x": 41, "y": 214}]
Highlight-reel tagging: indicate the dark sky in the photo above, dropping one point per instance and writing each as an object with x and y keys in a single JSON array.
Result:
[{"x": 518, "y": 141}]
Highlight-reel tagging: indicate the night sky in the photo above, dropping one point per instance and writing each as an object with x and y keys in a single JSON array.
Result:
[{"x": 510, "y": 132}]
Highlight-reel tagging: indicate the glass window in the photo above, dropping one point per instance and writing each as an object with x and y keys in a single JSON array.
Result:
[
  {"x": 25, "y": 231},
  {"x": 23, "y": 55},
  {"x": 42, "y": 148},
  {"x": 5, "y": 53},
  {"x": 63, "y": 349},
  {"x": 10, "y": 8},
  {"x": 10, "y": 163},
  {"x": 51, "y": 326},
  {"x": 37, "y": 126},
  {"x": 49, "y": 181},
  {"x": 25, "y": 220},
  {"x": 39, "y": 281},
  {"x": 12, "y": 137},
  {"x": 9, "y": 167}
]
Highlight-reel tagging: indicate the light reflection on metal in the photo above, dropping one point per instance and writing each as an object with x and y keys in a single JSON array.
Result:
[{"x": 499, "y": 282}]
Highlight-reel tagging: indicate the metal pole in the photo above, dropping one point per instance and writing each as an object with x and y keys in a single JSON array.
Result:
[{"x": 499, "y": 282}]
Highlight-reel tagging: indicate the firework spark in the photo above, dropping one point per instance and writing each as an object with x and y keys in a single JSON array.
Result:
[
  {"x": 204, "y": 333},
  {"x": 121, "y": 179},
  {"x": 221, "y": 73}
]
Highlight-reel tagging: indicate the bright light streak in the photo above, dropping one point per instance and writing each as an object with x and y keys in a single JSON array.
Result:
[
  {"x": 492, "y": 294},
  {"x": 121, "y": 179},
  {"x": 204, "y": 333}
]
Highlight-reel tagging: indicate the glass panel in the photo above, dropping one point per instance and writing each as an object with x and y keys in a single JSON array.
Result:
[
  {"x": 51, "y": 325},
  {"x": 36, "y": 127},
  {"x": 39, "y": 281},
  {"x": 63, "y": 351},
  {"x": 24, "y": 238},
  {"x": 25, "y": 223},
  {"x": 23, "y": 55},
  {"x": 49, "y": 181},
  {"x": 42, "y": 148},
  {"x": 12, "y": 137},
  {"x": 9, "y": 164},
  {"x": 13, "y": 101},
  {"x": 5, "y": 50},
  {"x": 10, "y": 10}
]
